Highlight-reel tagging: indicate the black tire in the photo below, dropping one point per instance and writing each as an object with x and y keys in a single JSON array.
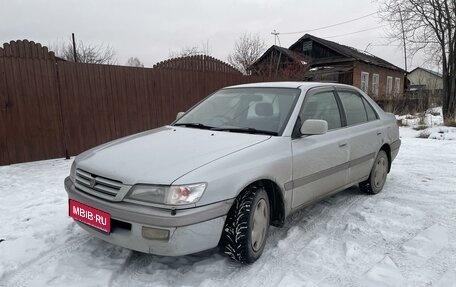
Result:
[
  {"x": 241, "y": 240},
  {"x": 377, "y": 178}
]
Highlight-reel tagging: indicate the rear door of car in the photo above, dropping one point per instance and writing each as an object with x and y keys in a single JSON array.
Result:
[
  {"x": 365, "y": 130},
  {"x": 320, "y": 162}
]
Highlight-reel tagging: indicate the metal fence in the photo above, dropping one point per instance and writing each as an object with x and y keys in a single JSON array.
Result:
[{"x": 52, "y": 108}]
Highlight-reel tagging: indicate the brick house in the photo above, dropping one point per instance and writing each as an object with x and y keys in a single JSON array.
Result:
[{"x": 327, "y": 61}]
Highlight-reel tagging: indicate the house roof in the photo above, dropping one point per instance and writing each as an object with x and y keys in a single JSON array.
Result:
[
  {"x": 349, "y": 52},
  {"x": 287, "y": 52},
  {"x": 426, "y": 70}
]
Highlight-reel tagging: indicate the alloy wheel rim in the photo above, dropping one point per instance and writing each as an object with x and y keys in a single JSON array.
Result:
[
  {"x": 380, "y": 172},
  {"x": 260, "y": 224}
]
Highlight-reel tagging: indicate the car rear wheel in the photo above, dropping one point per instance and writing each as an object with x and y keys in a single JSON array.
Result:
[
  {"x": 247, "y": 225},
  {"x": 377, "y": 178}
]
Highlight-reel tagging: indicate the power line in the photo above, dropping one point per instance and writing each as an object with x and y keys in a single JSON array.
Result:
[
  {"x": 329, "y": 26},
  {"x": 356, "y": 32},
  {"x": 385, "y": 45}
]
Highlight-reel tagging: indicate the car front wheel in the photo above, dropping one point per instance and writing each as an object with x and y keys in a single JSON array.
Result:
[{"x": 247, "y": 225}]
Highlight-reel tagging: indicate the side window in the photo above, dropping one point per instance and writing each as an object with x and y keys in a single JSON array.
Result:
[
  {"x": 322, "y": 106},
  {"x": 354, "y": 107},
  {"x": 371, "y": 114}
]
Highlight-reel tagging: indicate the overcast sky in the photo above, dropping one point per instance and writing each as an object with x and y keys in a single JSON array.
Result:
[{"x": 151, "y": 30}]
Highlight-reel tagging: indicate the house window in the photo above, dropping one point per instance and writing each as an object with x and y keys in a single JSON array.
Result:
[
  {"x": 397, "y": 86},
  {"x": 375, "y": 82},
  {"x": 389, "y": 85},
  {"x": 364, "y": 81},
  {"x": 307, "y": 48}
]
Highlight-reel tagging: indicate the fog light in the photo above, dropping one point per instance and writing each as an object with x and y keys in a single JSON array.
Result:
[{"x": 154, "y": 233}]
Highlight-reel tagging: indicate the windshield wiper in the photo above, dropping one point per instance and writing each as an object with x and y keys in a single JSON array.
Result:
[
  {"x": 246, "y": 130},
  {"x": 195, "y": 125}
]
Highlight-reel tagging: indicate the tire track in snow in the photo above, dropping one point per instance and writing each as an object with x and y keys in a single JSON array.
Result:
[
  {"x": 432, "y": 258},
  {"x": 141, "y": 269},
  {"x": 337, "y": 228},
  {"x": 130, "y": 271},
  {"x": 29, "y": 270},
  {"x": 318, "y": 217}
]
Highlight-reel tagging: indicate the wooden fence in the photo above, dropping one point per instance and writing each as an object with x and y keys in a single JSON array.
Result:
[{"x": 52, "y": 108}]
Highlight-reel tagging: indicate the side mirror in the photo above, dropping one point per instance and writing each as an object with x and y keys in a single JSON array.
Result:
[
  {"x": 179, "y": 115},
  {"x": 314, "y": 127}
]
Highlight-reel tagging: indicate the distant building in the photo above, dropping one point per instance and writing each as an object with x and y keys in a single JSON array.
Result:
[
  {"x": 425, "y": 83},
  {"x": 327, "y": 61}
]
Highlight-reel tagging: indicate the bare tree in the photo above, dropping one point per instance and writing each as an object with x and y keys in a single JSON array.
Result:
[
  {"x": 429, "y": 26},
  {"x": 85, "y": 53},
  {"x": 134, "y": 62},
  {"x": 203, "y": 49},
  {"x": 247, "y": 49}
]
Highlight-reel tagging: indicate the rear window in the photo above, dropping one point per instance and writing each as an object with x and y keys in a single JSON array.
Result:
[
  {"x": 354, "y": 107},
  {"x": 371, "y": 114}
]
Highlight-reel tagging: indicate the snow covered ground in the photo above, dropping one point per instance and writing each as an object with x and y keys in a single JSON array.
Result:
[{"x": 404, "y": 236}]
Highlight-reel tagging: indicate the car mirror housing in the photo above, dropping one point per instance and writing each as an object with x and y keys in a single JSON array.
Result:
[{"x": 314, "y": 127}]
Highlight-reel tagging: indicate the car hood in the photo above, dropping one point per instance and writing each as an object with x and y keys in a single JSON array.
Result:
[{"x": 162, "y": 155}]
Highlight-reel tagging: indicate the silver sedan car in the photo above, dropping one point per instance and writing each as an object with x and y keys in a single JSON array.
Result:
[{"x": 244, "y": 158}]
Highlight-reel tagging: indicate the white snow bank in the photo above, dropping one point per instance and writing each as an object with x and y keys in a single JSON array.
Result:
[
  {"x": 441, "y": 133},
  {"x": 432, "y": 117},
  {"x": 409, "y": 120},
  {"x": 433, "y": 123}
]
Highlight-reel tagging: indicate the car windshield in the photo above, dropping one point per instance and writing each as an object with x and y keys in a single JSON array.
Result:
[{"x": 250, "y": 110}]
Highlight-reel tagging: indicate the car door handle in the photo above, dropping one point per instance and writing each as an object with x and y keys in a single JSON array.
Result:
[
  {"x": 379, "y": 133},
  {"x": 342, "y": 144}
]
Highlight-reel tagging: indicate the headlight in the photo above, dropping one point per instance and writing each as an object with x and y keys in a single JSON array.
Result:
[{"x": 173, "y": 195}]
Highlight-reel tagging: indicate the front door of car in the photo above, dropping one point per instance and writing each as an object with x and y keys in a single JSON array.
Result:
[{"x": 320, "y": 162}]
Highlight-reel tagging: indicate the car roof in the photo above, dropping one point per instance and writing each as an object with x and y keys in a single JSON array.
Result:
[{"x": 301, "y": 85}]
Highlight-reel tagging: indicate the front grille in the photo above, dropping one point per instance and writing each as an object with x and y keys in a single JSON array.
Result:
[{"x": 92, "y": 183}]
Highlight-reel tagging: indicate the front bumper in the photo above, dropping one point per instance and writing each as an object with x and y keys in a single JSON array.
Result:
[{"x": 191, "y": 230}]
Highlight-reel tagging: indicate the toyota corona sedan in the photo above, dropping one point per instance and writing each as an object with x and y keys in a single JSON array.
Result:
[{"x": 244, "y": 158}]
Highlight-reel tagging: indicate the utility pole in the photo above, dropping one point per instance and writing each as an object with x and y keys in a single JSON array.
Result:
[
  {"x": 276, "y": 36},
  {"x": 403, "y": 39},
  {"x": 74, "y": 49}
]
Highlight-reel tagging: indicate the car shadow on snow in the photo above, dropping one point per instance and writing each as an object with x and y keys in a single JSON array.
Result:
[{"x": 308, "y": 217}]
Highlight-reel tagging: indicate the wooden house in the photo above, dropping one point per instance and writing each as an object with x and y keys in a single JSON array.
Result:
[{"x": 327, "y": 61}]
